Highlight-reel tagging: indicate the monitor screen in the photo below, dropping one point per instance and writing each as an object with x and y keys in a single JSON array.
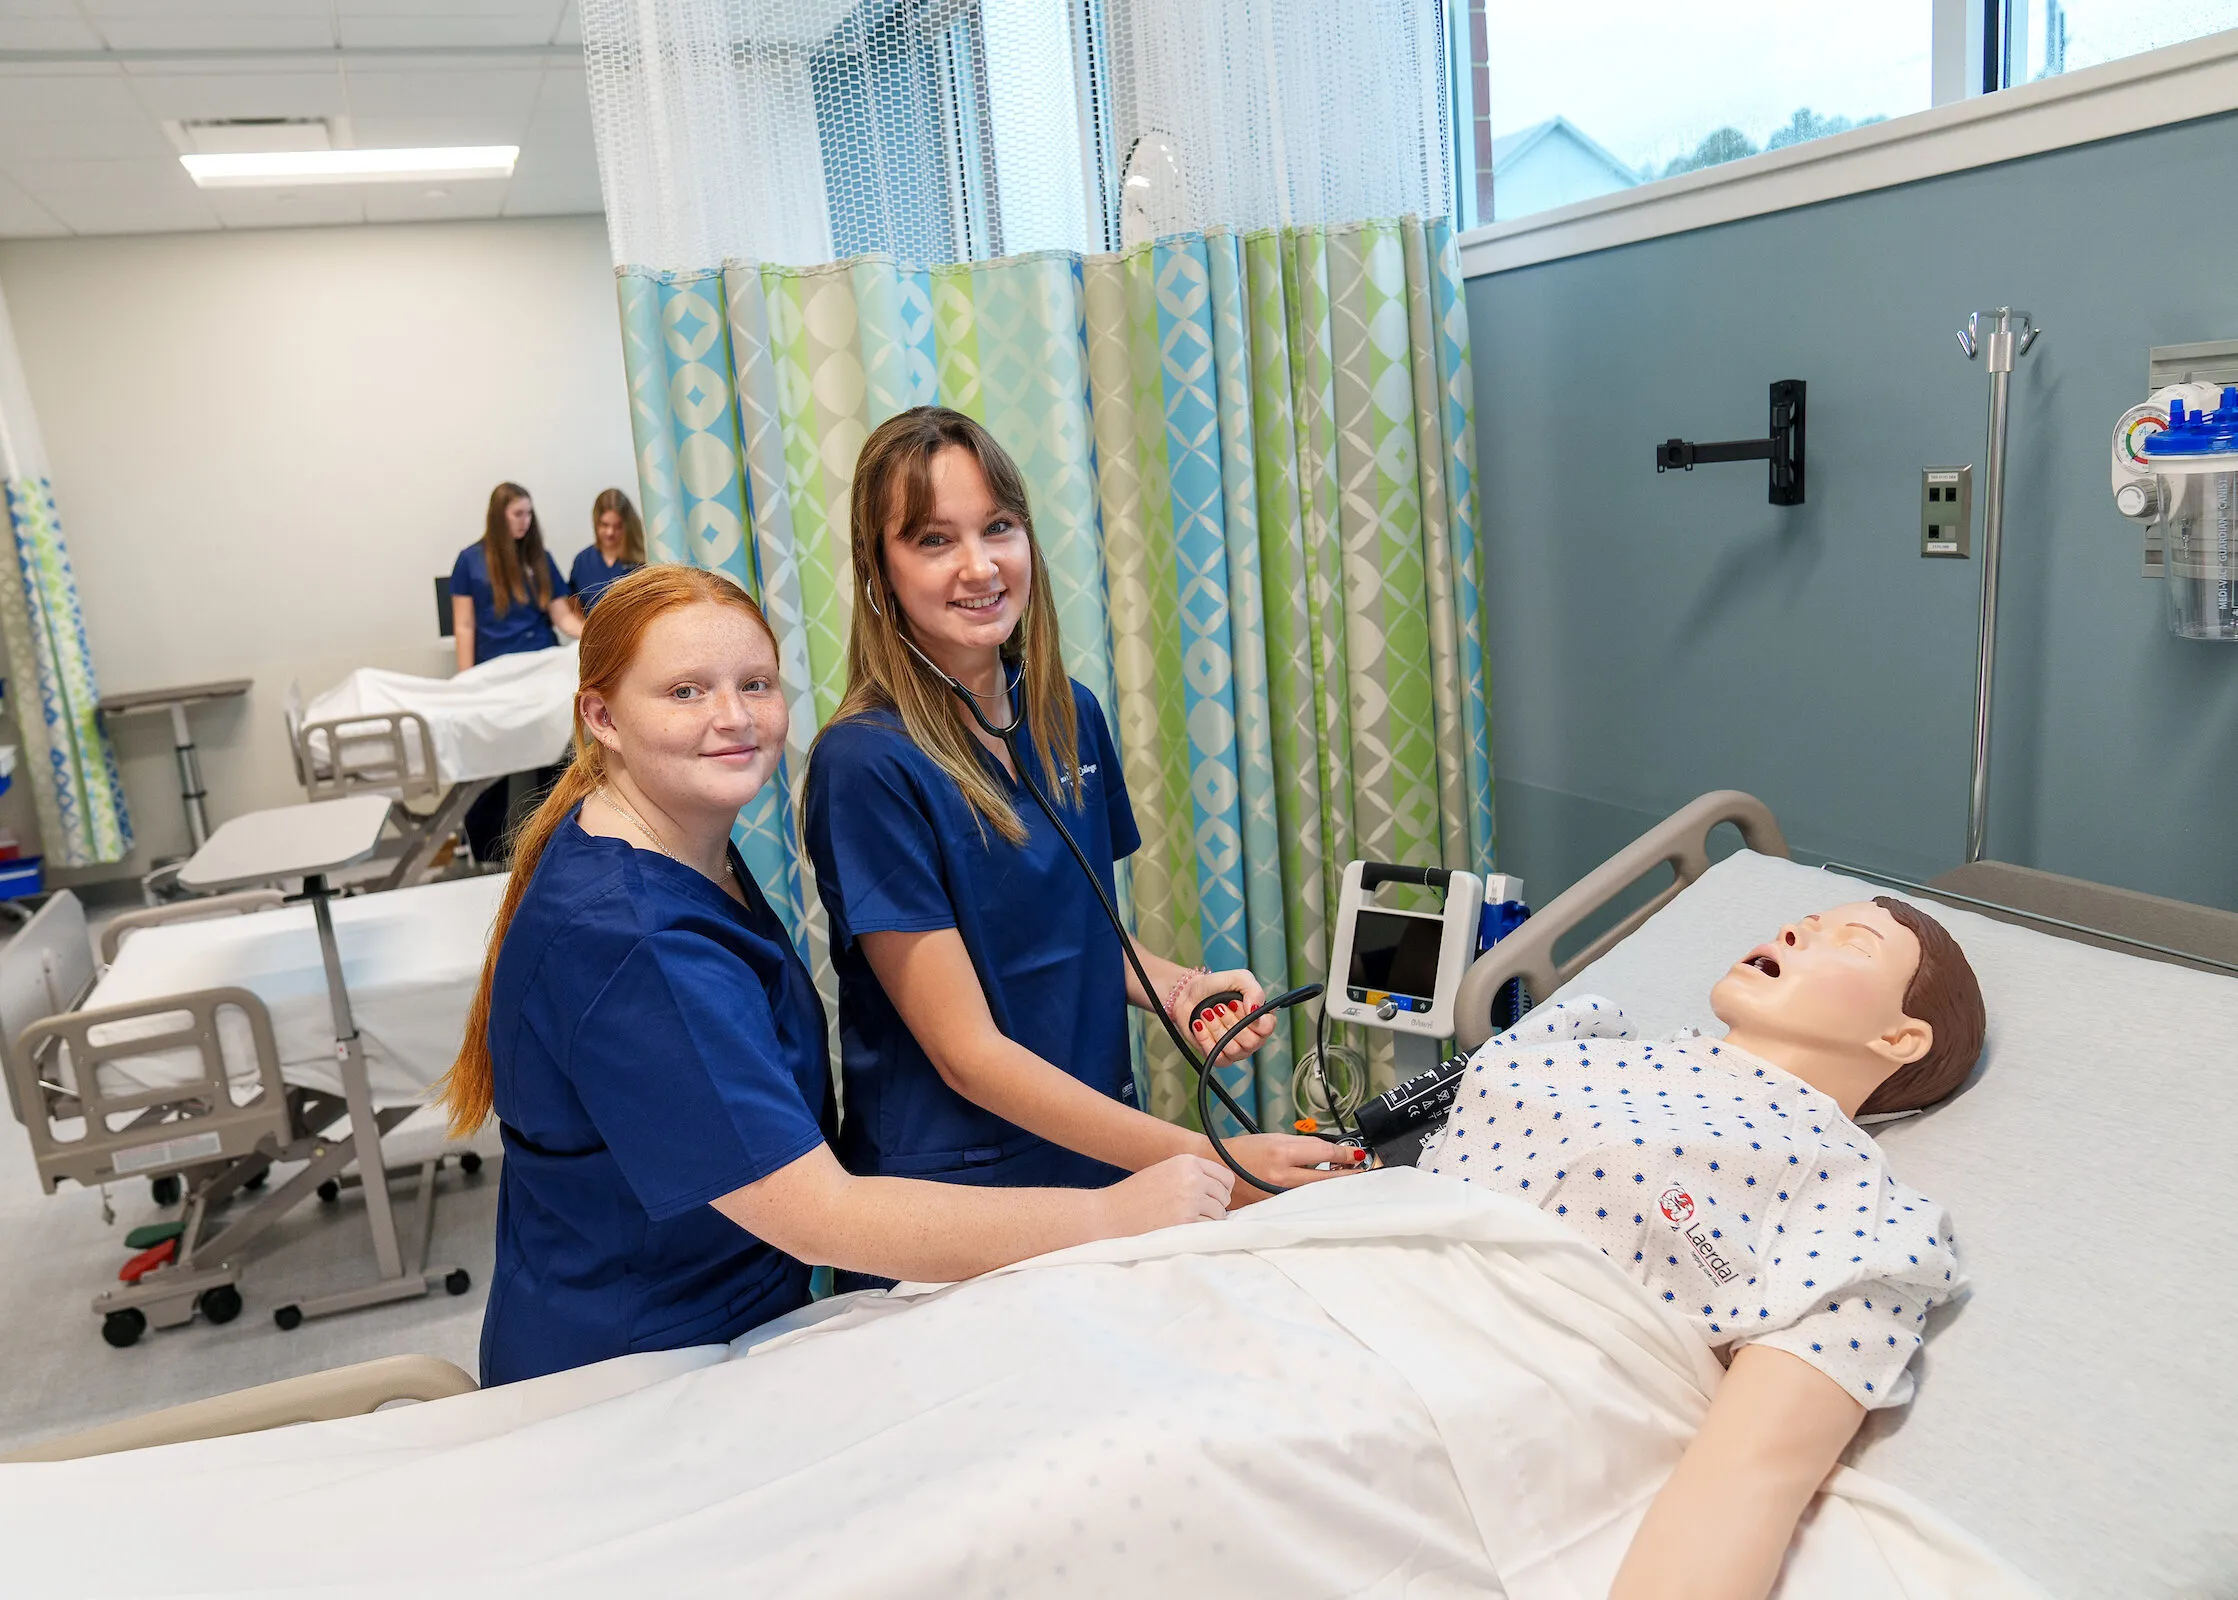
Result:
[{"x": 1396, "y": 953}]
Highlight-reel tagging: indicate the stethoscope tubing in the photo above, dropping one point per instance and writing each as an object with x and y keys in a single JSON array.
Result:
[{"x": 1207, "y": 1082}]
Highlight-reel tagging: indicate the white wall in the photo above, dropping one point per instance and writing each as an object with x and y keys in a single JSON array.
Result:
[{"x": 265, "y": 446}]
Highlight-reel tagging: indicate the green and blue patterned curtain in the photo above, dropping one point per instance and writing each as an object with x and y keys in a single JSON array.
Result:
[
  {"x": 64, "y": 753},
  {"x": 1253, "y": 476}
]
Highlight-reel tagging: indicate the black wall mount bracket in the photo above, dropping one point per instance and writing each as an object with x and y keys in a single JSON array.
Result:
[{"x": 1784, "y": 449}]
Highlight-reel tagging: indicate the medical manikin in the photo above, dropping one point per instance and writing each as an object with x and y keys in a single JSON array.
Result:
[{"x": 1730, "y": 1177}]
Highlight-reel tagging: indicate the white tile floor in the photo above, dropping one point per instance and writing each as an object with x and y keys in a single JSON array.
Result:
[
  {"x": 57, "y": 1375},
  {"x": 56, "y": 1253}
]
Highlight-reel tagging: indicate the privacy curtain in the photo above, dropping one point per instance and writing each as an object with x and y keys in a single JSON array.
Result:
[
  {"x": 1252, "y": 470},
  {"x": 1171, "y": 253},
  {"x": 65, "y": 755}
]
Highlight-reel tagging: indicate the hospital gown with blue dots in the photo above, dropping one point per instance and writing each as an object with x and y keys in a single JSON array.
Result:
[{"x": 1734, "y": 1192}]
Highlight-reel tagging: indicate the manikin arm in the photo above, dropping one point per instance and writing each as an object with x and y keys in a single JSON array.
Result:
[{"x": 1720, "y": 1526}]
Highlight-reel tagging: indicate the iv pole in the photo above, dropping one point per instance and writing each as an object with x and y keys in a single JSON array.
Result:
[{"x": 2009, "y": 340}]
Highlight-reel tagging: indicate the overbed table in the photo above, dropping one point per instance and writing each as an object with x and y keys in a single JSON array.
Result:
[{"x": 311, "y": 842}]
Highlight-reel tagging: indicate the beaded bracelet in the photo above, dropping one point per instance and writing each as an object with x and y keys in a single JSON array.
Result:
[{"x": 1173, "y": 995}]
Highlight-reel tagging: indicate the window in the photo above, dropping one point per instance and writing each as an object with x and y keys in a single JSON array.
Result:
[
  {"x": 1553, "y": 106},
  {"x": 1557, "y": 105},
  {"x": 2043, "y": 38}
]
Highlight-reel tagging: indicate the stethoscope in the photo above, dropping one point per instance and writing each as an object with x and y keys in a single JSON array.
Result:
[{"x": 1207, "y": 1084}]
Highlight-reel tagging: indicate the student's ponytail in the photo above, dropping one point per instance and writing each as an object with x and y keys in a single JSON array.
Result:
[{"x": 611, "y": 635}]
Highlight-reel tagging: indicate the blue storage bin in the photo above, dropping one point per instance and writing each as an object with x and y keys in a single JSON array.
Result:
[{"x": 22, "y": 878}]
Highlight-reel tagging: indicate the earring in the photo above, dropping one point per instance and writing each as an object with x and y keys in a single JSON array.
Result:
[{"x": 870, "y": 593}]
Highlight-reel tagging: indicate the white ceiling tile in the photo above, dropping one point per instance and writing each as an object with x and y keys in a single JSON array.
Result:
[
  {"x": 505, "y": 92},
  {"x": 214, "y": 96},
  {"x": 65, "y": 32},
  {"x": 111, "y": 211},
  {"x": 548, "y": 10},
  {"x": 414, "y": 202},
  {"x": 169, "y": 32},
  {"x": 465, "y": 126},
  {"x": 196, "y": 10},
  {"x": 570, "y": 29},
  {"x": 95, "y": 94},
  {"x": 51, "y": 180},
  {"x": 22, "y": 217},
  {"x": 318, "y": 207},
  {"x": 82, "y": 141},
  {"x": 449, "y": 32}
]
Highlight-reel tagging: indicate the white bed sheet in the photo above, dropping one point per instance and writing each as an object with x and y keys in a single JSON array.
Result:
[
  {"x": 410, "y": 959},
  {"x": 511, "y": 714},
  {"x": 1391, "y": 1386},
  {"x": 2079, "y": 1409}
]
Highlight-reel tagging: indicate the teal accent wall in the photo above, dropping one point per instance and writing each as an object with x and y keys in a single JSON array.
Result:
[{"x": 1653, "y": 637}]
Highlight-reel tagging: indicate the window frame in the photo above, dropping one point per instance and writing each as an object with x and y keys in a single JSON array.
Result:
[{"x": 2155, "y": 88}]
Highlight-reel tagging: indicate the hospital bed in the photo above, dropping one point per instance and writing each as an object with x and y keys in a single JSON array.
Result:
[
  {"x": 2078, "y": 1409},
  {"x": 433, "y": 746},
  {"x": 207, "y": 1054},
  {"x": 2073, "y": 1411}
]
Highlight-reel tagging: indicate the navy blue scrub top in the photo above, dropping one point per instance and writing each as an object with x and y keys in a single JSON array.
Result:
[
  {"x": 590, "y": 575},
  {"x": 525, "y": 626},
  {"x": 897, "y": 849},
  {"x": 656, "y": 1046}
]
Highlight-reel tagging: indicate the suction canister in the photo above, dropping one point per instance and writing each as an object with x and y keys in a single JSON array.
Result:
[{"x": 2194, "y": 466}]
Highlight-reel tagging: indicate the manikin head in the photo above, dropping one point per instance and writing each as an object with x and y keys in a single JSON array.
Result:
[{"x": 1871, "y": 1003}]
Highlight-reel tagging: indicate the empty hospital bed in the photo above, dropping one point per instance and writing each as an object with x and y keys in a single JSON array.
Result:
[
  {"x": 433, "y": 745},
  {"x": 2073, "y": 1411},
  {"x": 206, "y": 1054}
]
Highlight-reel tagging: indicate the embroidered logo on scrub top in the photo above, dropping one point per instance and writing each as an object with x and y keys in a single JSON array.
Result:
[
  {"x": 1708, "y": 1253},
  {"x": 1064, "y": 779}
]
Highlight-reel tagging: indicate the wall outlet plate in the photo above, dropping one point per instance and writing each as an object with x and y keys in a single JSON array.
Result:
[{"x": 1946, "y": 512}]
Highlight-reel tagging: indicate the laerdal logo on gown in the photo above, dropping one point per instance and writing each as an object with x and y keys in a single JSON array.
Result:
[{"x": 1677, "y": 1207}]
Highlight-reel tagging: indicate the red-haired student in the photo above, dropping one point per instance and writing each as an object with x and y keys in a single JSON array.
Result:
[{"x": 654, "y": 1052}]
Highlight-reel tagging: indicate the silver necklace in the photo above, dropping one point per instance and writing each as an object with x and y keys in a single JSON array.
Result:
[{"x": 607, "y": 793}]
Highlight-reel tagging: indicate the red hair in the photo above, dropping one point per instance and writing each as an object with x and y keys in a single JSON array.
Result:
[{"x": 612, "y": 635}]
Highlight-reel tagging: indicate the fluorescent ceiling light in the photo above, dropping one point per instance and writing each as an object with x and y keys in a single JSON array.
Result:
[{"x": 288, "y": 168}]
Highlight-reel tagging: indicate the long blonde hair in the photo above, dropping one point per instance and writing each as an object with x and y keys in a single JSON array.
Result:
[
  {"x": 518, "y": 570},
  {"x": 893, "y": 492},
  {"x": 633, "y": 526},
  {"x": 612, "y": 635}
]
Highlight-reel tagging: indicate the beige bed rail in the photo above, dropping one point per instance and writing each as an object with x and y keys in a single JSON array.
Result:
[
  {"x": 1680, "y": 841},
  {"x": 317, "y": 1397},
  {"x": 241, "y": 903}
]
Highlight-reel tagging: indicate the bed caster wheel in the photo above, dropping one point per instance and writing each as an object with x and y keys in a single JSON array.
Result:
[
  {"x": 456, "y": 1281},
  {"x": 165, "y": 1191},
  {"x": 330, "y": 1191},
  {"x": 123, "y": 1328},
  {"x": 222, "y": 1304},
  {"x": 258, "y": 1181},
  {"x": 470, "y": 1162},
  {"x": 288, "y": 1318}
]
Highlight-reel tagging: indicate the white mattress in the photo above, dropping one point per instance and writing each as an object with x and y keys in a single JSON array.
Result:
[
  {"x": 2079, "y": 1410},
  {"x": 510, "y": 714},
  {"x": 410, "y": 960}
]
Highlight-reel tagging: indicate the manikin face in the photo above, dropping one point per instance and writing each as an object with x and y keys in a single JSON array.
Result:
[
  {"x": 962, "y": 579},
  {"x": 517, "y": 515},
  {"x": 1833, "y": 982},
  {"x": 697, "y": 720},
  {"x": 609, "y": 535}
]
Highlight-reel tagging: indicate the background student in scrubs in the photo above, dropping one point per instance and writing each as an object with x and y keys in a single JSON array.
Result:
[
  {"x": 654, "y": 1050},
  {"x": 616, "y": 550},
  {"x": 982, "y": 993},
  {"x": 507, "y": 596}
]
